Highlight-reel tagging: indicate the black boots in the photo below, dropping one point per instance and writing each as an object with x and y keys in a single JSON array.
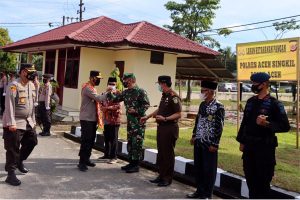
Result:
[
  {"x": 12, "y": 179},
  {"x": 45, "y": 134},
  {"x": 133, "y": 167},
  {"x": 22, "y": 168},
  {"x": 82, "y": 167}
]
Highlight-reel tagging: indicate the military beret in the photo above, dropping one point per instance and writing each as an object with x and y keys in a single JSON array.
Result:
[
  {"x": 28, "y": 66},
  {"x": 128, "y": 75},
  {"x": 164, "y": 79},
  {"x": 112, "y": 79},
  {"x": 209, "y": 85},
  {"x": 260, "y": 77},
  {"x": 48, "y": 76},
  {"x": 95, "y": 74}
]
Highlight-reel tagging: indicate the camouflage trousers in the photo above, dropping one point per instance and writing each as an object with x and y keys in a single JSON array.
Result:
[{"x": 135, "y": 139}]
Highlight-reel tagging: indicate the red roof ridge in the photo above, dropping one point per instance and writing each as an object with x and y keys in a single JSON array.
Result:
[
  {"x": 186, "y": 39},
  {"x": 135, "y": 30},
  {"x": 93, "y": 22}
]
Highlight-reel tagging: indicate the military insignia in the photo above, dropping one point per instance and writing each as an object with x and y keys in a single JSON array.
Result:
[
  {"x": 209, "y": 117},
  {"x": 13, "y": 88},
  {"x": 175, "y": 100}
]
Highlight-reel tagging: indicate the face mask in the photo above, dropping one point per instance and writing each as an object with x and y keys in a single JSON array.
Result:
[
  {"x": 45, "y": 81},
  {"x": 125, "y": 84},
  {"x": 203, "y": 96},
  {"x": 159, "y": 88},
  {"x": 255, "y": 89},
  {"x": 30, "y": 76},
  {"x": 97, "y": 82},
  {"x": 112, "y": 87}
]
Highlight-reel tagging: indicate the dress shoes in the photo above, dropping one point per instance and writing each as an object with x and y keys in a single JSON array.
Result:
[
  {"x": 195, "y": 195},
  {"x": 157, "y": 180},
  {"x": 22, "y": 168},
  {"x": 82, "y": 167},
  {"x": 90, "y": 164},
  {"x": 12, "y": 179},
  {"x": 163, "y": 184}
]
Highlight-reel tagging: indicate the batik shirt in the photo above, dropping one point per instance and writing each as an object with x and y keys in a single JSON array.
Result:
[{"x": 209, "y": 123}]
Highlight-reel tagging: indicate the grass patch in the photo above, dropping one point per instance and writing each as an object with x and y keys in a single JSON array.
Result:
[{"x": 287, "y": 174}]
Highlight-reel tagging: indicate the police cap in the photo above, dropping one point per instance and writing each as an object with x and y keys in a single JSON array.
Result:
[
  {"x": 209, "y": 85},
  {"x": 128, "y": 75},
  {"x": 29, "y": 67},
  {"x": 47, "y": 76},
  {"x": 95, "y": 74},
  {"x": 260, "y": 77},
  {"x": 164, "y": 79}
]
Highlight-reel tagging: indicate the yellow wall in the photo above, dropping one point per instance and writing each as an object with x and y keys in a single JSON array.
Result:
[{"x": 136, "y": 61}]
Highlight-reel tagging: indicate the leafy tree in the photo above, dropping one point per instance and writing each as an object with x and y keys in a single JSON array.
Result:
[
  {"x": 228, "y": 58},
  {"x": 37, "y": 60},
  {"x": 285, "y": 26},
  {"x": 191, "y": 19},
  {"x": 7, "y": 60}
]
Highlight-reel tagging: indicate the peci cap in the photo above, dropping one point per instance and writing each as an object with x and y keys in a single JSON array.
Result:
[
  {"x": 48, "y": 76},
  {"x": 128, "y": 75},
  {"x": 209, "y": 85},
  {"x": 29, "y": 67},
  {"x": 164, "y": 79},
  {"x": 112, "y": 79},
  {"x": 95, "y": 74},
  {"x": 260, "y": 77}
]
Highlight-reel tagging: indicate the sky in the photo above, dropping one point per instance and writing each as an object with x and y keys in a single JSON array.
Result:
[{"x": 231, "y": 13}]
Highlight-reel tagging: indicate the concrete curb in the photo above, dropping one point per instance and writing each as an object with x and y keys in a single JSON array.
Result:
[{"x": 227, "y": 185}]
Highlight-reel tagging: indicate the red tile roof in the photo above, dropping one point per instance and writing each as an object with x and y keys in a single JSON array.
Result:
[{"x": 103, "y": 31}]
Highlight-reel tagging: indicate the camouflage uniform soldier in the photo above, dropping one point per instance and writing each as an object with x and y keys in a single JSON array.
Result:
[
  {"x": 136, "y": 103},
  {"x": 44, "y": 108},
  {"x": 19, "y": 123}
]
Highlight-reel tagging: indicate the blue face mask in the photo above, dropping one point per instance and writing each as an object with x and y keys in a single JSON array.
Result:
[{"x": 159, "y": 88}]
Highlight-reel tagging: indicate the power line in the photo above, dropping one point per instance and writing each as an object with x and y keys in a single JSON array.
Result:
[
  {"x": 250, "y": 29},
  {"x": 254, "y": 23},
  {"x": 14, "y": 23}
]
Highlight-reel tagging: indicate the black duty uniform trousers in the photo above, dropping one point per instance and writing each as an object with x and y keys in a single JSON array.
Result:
[
  {"x": 12, "y": 141},
  {"x": 167, "y": 135},
  {"x": 88, "y": 136},
  {"x": 205, "y": 163},
  {"x": 111, "y": 140},
  {"x": 45, "y": 117},
  {"x": 2, "y": 100},
  {"x": 259, "y": 163}
]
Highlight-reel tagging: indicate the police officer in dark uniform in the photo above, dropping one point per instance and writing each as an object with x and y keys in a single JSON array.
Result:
[
  {"x": 264, "y": 116},
  {"x": 167, "y": 116},
  {"x": 19, "y": 123}
]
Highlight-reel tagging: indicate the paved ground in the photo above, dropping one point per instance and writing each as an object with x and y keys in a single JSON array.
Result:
[{"x": 53, "y": 174}]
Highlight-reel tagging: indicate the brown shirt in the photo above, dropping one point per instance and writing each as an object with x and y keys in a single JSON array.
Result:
[{"x": 170, "y": 104}]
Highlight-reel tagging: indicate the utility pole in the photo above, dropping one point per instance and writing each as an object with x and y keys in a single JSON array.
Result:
[
  {"x": 64, "y": 20},
  {"x": 80, "y": 11}
]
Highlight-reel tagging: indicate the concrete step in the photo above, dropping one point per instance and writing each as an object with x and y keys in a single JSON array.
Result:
[{"x": 64, "y": 118}]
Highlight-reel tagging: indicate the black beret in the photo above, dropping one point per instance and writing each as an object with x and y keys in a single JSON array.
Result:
[
  {"x": 260, "y": 77},
  {"x": 48, "y": 76},
  {"x": 95, "y": 74},
  {"x": 28, "y": 66},
  {"x": 164, "y": 79},
  {"x": 209, "y": 85},
  {"x": 112, "y": 79},
  {"x": 128, "y": 75}
]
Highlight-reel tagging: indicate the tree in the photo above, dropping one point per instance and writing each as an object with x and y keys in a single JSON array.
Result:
[
  {"x": 228, "y": 58},
  {"x": 7, "y": 60},
  {"x": 191, "y": 19},
  {"x": 285, "y": 26},
  {"x": 37, "y": 60}
]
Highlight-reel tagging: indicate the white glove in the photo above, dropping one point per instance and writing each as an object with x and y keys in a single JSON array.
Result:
[
  {"x": 36, "y": 104},
  {"x": 47, "y": 108},
  {"x": 4, "y": 94}
]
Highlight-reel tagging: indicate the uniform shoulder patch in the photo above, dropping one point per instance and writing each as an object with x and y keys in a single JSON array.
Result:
[
  {"x": 175, "y": 100},
  {"x": 13, "y": 88}
]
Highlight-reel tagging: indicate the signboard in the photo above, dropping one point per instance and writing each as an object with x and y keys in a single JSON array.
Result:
[{"x": 278, "y": 58}]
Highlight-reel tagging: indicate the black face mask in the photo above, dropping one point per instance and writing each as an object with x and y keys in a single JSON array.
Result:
[
  {"x": 125, "y": 84},
  {"x": 97, "y": 82},
  {"x": 45, "y": 81},
  {"x": 255, "y": 89},
  {"x": 30, "y": 76}
]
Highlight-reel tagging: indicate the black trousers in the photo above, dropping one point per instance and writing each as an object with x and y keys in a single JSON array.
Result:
[
  {"x": 111, "y": 140},
  {"x": 2, "y": 100},
  {"x": 12, "y": 141},
  {"x": 88, "y": 136},
  {"x": 45, "y": 117},
  {"x": 166, "y": 141},
  {"x": 206, "y": 164},
  {"x": 259, "y": 164}
]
